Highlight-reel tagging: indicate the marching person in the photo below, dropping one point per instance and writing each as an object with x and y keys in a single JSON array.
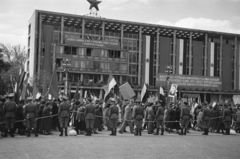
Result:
[
  {"x": 184, "y": 118},
  {"x": 9, "y": 109},
  {"x": 63, "y": 114},
  {"x": 113, "y": 117},
  {"x": 127, "y": 117},
  {"x": 30, "y": 113},
  {"x": 205, "y": 118},
  {"x": 89, "y": 117},
  {"x": 159, "y": 118},
  {"x": 227, "y": 119},
  {"x": 138, "y": 115}
]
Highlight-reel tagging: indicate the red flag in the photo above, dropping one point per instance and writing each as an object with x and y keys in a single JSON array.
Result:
[{"x": 53, "y": 88}]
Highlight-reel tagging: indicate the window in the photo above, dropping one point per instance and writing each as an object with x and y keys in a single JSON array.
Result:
[
  {"x": 67, "y": 50},
  {"x": 74, "y": 51},
  {"x": 89, "y": 52},
  {"x": 96, "y": 65},
  {"x": 29, "y": 29},
  {"x": 58, "y": 62},
  {"x": 114, "y": 53}
]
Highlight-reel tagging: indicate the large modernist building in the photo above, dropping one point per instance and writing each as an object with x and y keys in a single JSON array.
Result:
[{"x": 203, "y": 63}]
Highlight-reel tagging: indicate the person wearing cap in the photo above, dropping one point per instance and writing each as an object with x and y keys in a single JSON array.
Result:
[
  {"x": 150, "y": 116},
  {"x": 159, "y": 118},
  {"x": 113, "y": 117},
  {"x": 127, "y": 118},
  {"x": 9, "y": 109},
  {"x": 2, "y": 101},
  {"x": 184, "y": 118},
  {"x": 205, "y": 119},
  {"x": 227, "y": 119},
  {"x": 63, "y": 114},
  {"x": 137, "y": 116},
  {"x": 89, "y": 117},
  {"x": 80, "y": 118},
  {"x": 19, "y": 116},
  {"x": 30, "y": 113}
]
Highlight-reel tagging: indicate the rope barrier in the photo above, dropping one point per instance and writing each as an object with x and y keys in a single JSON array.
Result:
[{"x": 108, "y": 118}]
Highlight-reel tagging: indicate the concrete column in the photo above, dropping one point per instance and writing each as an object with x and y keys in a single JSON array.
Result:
[
  {"x": 174, "y": 51},
  {"x": 206, "y": 54},
  {"x": 103, "y": 30},
  {"x": 39, "y": 46},
  {"x": 62, "y": 28},
  {"x": 140, "y": 56},
  {"x": 60, "y": 76},
  {"x": 235, "y": 63},
  {"x": 101, "y": 94},
  {"x": 83, "y": 28},
  {"x": 81, "y": 77},
  {"x": 120, "y": 80},
  {"x": 221, "y": 48},
  {"x": 157, "y": 53},
  {"x": 122, "y": 35},
  {"x": 204, "y": 97},
  {"x": 190, "y": 53}
]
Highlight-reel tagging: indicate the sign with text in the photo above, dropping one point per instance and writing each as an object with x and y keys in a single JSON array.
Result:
[
  {"x": 94, "y": 43},
  {"x": 191, "y": 81}
]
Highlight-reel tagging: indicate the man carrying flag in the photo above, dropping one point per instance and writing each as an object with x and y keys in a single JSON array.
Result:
[
  {"x": 112, "y": 82},
  {"x": 144, "y": 94}
]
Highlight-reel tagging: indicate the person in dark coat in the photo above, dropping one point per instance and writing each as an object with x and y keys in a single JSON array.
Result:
[
  {"x": 46, "y": 121},
  {"x": 64, "y": 114},
  {"x": 9, "y": 109},
  {"x": 2, "y": 101},
  {"x": 76, "y": 105},
  {"x": 80, "y": 118},
  {"x": 89, "y": 117},
  {"x": 206, "y": 119},
  {"x": 227, "y": 119},
  {"x": 39, "y": 113},
  {"x": 113, "y": 117},
  {"x": 55, "y": 121},
  {"x": 138, "y": 115},
  {"x": 176, "y": 118},
  {"x": 184, "y": 118},
  {"x": 237, "y": 119},
  {"x": 98, "y": 118},
  {"x": 220, "y": 125},
  {"x": 19, "y": 117}
]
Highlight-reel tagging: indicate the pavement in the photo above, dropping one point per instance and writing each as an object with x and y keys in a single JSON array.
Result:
[{"x": 123, "y": 146}]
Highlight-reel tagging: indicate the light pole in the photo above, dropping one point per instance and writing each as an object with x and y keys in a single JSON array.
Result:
[
  {"x": 66, "y": 64},
  {"x": 168, "y": 71}
]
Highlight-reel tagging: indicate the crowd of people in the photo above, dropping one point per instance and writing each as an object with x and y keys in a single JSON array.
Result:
[{"x": 42, "y": 116}]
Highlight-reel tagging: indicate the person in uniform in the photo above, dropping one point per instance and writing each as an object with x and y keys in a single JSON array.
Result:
[
  {"x": 63, "y": 114},
  {"x": 113, "y": 116},
  {"x": 159, "y": 118},
  {"x": 2, "y": 101},
  {"x": 237, "y": 119},
  {"x": 138, "y": 115},
  {"x": 205, "y": 119},
  {"x": 89, "y": 117},
  {"x": 19, "y": 117},
  {"x": 127, "y": 117},
  {"x": 150, "y": 118},
  {"x": 30, "y": 113},
  {"x": 184, "y": 118},
  {"x": 9, "y": 109},
  {"x": 227, "y": 119}
]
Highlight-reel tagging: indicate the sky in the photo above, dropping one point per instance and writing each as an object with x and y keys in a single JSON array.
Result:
[{"x": 213, "y": 15}]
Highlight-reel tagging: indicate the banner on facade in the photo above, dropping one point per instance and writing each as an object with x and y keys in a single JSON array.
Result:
[
  {"x": 93, "y": 43},
  {"x": 186, "y": 81}
]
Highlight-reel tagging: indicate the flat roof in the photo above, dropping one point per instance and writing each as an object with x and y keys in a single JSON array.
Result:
[{"x": 73, "y": 20}]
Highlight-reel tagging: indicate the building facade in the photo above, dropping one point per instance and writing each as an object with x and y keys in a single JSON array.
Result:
[{"x": 87, "y": 49}]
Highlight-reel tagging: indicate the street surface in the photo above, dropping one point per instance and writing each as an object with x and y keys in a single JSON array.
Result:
[{"x": 123, "y": 146}]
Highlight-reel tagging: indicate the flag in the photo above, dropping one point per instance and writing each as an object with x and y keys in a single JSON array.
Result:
[
  {"x": 161, "y": 95},
  {"x": 24, "y": 89},
  {"x": 76, "y": 96},
  {"x": 53, "y": 88},
  {"x": 144, "y": 94},
  {"x": 110, "y": 85},
  {"x": 126, "y": 91},
  {"x": 22, "y": 74},
  {"x": 35, "y": 90}
]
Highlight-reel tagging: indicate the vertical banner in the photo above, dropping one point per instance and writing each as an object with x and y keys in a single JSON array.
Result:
[
  {"x": 211, "y": 59},
  {"x": 147, "y": 59},
  {"x": 180, "y": 56}
]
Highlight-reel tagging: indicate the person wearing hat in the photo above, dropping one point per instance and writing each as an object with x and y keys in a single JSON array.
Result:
[
  {"x": 184, "y": 118},
  {"x": 159, "y": 119},
  {"x": 63, "y": 114},
  {"x": 150, "y": 118},
  {"x": 9, "y": 109},
  {"x": 113, "y": 117},
  {"x": 80, "y": 118},
  {"x": 2, "y": 101},
  {"x": 138, "y": 115},
  {"x": 30, "y": 113},
  {"x": 89, "y": 117},
  {"x": 205, "y": 118},
  {"x": 227, "y": 119}
]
